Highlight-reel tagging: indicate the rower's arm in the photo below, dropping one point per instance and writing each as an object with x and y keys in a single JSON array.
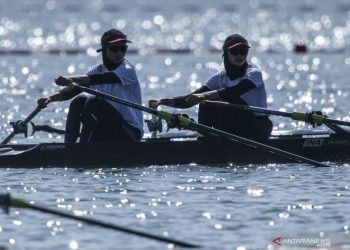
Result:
[
  {"x": 229, "y": 94},
  {"x": 180, "y": 101},
  {"x": 104, "y": 78},
  {"x": 233, "y": 94},
  {"x": 91, "y": 79},
  {"x": 44, "y": 101},
  {"x": 67, "y": 93},
  {"x": 96, "y": 79}
]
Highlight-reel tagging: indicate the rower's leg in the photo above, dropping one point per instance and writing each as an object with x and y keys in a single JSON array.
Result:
[
  {"x": 246, "y": 124},
  {"x": 263, "y": 127},
  {"x": 74, "y": 118},
  {"x": 89, "y": 119},
  {"x": 111, "y": 125},
  {"x": 227, "y": 119},
  {"x": 208, "y": 115},
  {"x": 102, "y": 123}
]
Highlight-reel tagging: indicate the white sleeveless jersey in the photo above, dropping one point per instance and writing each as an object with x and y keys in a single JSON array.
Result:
[
  {"x": 254, "y": 97},
  {"x": 129, "y": 90}
]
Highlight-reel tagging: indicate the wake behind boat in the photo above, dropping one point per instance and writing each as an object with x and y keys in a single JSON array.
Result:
[{"x": 178, "y": 148}]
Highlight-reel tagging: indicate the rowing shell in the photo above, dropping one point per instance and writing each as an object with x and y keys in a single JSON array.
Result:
[{"x": 181, "y": 149}]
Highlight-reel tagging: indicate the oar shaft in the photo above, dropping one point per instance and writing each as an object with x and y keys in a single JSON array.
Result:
[
  {"x": 257, "y": 145},
  {"x": 333, "y": 121},
  {"x": 249, "y": 108},
  {"x": 297, "y": 116},
  {"x": 111, "y": 226},
  {"x": 24, "y": 122},
  {"x": 114, "y": 99},
  {"x": 15, "y": 202}
]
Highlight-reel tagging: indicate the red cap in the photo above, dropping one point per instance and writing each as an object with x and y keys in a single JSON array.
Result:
[
  {"x": 113, "y": 37},
  {"x": 234, "y": 41}
]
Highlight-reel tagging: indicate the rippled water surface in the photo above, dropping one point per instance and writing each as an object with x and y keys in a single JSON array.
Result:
[{"x": 176, "y": 47}]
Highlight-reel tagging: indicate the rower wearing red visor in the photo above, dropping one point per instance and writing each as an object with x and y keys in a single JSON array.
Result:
[
  {"x": 239, "y": 83},
  {"x": 93, "y": 119}
]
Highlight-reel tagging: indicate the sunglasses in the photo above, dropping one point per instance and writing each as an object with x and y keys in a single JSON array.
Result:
[
  {"x": 118, "y": 48},
  {"x": 236, "y": 52}
]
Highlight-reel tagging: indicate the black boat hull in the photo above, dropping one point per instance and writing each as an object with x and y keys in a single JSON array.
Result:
[{"x": 167, "y": 151}]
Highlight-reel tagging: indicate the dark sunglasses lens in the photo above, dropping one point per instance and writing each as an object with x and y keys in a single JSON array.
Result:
[
  {"x": 118, "y": 48},
  {"x": 236, "y": 52}
]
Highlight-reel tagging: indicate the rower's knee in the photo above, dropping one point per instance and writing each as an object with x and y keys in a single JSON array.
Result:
[
  {"x": 77, "y": 104},
  {"x": 91, "y": 102}
]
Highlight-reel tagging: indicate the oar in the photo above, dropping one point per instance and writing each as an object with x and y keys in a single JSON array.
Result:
[
  {"x": 188, "y": 123},
  {"x": 22, "y": 124},
  {"x": 6, "y": 201},
  {"x": 298, "y": 116}
]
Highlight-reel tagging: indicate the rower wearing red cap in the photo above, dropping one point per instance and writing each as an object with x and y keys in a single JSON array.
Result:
[
  {"x": 240, "y": 83},
  {"x": 94, "y": 119}
]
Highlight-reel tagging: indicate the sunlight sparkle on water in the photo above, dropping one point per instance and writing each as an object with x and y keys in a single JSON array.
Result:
[
  {"x": 141, "y": 216},
  {"x": 80, "y": 212},
  {"x": 178, "y": 203},
  {"x": 283, "y": 215},
  {"x": 207, "y": 215},
  {"x": 73, "y": 245},
  {"x": 17, "y": 222},
  {"x": 255, "y": 192}
]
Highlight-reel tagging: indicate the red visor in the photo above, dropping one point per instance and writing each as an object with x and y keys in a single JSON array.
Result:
[
  {"x": 234, "y": 43},
  {"x": 118, "y": 40},
  {"x": 113, "y": 40}
]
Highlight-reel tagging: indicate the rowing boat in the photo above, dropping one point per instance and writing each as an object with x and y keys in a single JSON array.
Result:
[
  {"x": 178, "y": 148},
  {"x": 216, "y": 147}
]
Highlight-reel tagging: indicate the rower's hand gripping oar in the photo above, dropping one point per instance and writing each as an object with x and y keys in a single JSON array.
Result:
[
  {"x": 21, "y": 126},
  {"x": 185, "y": 122},
  {"x": 314, "y": 118},
  {"x": 6, "y": 201}
]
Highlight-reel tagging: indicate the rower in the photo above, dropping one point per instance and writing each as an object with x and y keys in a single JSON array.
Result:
[
  {"x": 240, "y": 83},
  {"x": 94, "y": 119}
]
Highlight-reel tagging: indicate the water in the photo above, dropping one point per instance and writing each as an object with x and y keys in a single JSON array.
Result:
[{"x": 217, "y": 207}]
